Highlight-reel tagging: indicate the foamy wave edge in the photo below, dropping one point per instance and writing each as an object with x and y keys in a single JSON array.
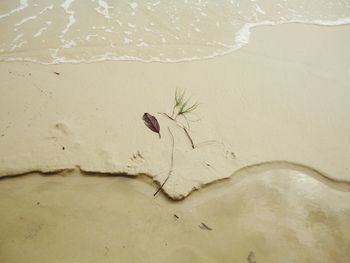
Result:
[{"x": 242, "y": 38}]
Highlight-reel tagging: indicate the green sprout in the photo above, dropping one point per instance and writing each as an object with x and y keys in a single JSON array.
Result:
[{"x": 182, "y": 105}]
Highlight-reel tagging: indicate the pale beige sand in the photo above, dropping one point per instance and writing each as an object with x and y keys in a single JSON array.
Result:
[{"x": 277, "y": 99}]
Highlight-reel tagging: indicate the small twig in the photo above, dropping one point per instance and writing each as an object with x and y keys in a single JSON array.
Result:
[
  {"x": 187, "y": 122},
  {"x": 205, "y": 227},
  {"x": 166, "y": 115},
  {"x": 180, "y": 125},
  {"x": 171, "y": 163},
  {"x": 209, "y": 142},
  {"x": 189, "y": 137}
]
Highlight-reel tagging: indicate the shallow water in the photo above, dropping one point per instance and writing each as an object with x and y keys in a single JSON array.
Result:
[{"x": 168, "y": 31}]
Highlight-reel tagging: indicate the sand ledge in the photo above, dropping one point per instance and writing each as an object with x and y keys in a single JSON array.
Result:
[
  {"x": 259, "y": 101},
  {"x": 341, "y": 185}
]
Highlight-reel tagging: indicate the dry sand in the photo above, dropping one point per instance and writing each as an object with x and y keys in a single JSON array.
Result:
[{"x": 277, "y": 110}]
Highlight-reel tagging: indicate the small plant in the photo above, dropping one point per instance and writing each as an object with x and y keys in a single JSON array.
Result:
[{"x": 182, "y": 105}]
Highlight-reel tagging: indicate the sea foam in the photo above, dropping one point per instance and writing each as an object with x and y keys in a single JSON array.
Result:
[{"x": 166, "y": 31}]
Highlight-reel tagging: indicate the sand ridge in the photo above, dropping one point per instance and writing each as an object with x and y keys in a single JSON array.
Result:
[{"x": 341, "y": 185}]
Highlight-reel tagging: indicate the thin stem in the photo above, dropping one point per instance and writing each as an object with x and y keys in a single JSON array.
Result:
[
  {"x": 171, "y": 163},
  {"x": 166, "y": 115},
  {"x": 182, "y": 126},
  {"x": 189, "y": 137}
]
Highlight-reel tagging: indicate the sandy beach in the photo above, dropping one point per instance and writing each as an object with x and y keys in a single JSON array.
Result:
[{"x": 264, "y": 177}]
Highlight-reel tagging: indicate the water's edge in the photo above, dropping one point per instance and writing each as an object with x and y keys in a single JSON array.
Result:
[{"x": 340, "y": 185}]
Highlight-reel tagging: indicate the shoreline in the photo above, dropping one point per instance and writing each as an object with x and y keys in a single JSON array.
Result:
[
  {"x": 278, "y": 98},
  {"x": 286, "y": 78},
  {"x": 63, "y": 215},
  {"x": 340, "y": 185},
  {"x": 249, "y": 27}
]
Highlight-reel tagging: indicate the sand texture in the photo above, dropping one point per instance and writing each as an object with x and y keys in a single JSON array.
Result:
[
  {"x": 275, "y": 100},
  {"x": 270, "y": 213},
  {"x": 79, "y": 167}
]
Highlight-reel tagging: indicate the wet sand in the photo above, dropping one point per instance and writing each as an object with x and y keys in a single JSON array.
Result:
[{"x": 279, "y": 215}]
